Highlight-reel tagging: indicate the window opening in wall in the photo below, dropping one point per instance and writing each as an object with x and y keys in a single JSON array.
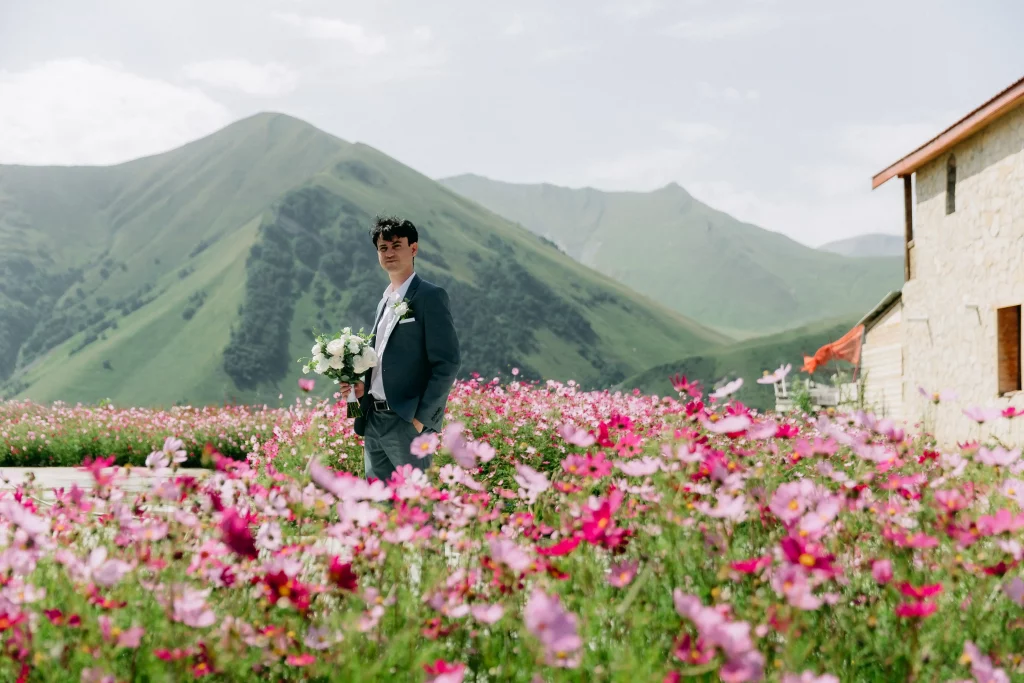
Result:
[
  {"x": 950, "y": 185},
  {"x": 1008, "y": 339}
]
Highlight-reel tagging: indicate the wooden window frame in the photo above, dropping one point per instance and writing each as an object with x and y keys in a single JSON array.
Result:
[
  {"x": 950, "y": 184},
  {"x": 1009, "y": 340}
]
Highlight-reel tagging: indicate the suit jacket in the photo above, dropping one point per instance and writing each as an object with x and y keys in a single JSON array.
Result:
[{"x": 420, "y": 360}]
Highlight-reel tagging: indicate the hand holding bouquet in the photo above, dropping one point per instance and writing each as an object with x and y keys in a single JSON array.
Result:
[{"x": 345, "y": 358}]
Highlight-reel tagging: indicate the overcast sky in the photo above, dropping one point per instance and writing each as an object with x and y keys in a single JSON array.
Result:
[{"x": 776, "y": 111}]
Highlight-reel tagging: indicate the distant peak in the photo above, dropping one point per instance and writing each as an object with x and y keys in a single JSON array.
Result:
[{"x": 673, "y": 187}]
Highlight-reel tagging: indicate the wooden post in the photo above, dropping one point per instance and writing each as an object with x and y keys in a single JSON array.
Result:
[{"x": 908, "y": 227}]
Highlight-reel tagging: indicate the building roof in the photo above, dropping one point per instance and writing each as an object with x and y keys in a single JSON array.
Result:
[
  {"x": 880, "y": 309},
  {"x": 1002, "y": 103}
]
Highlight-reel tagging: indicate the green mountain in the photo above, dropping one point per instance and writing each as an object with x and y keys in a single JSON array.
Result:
[
  {"x": 740, "y": 278},
  {"x": 872, "y": 244},
  {"x": 749, "y": 359},
  {"x": 199, "y": 275}
]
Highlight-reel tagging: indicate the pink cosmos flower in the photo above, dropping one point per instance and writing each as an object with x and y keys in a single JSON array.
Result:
[
  {"x": 506, "y": 552},
  {"x": 106, "y": 572},
  {"x": 1014, "y": 589},
  {"x": 455, "y": 443},
  {"x": 790, "y": 500},
  {"x": 533, "y": 482},
  {"x": 425, "y": 444},
  {"x": 237, "y": 535},
  {"x": 306, "y": 384},
  {"x": 444, "y": 672},
  {"x": 555, "y": 628},
  {"x": 950, "y": 500},
  {"x": 733, "y": 508},
  {"x": 728, "y": 425},
  {"x": 622, "y": 573},
  {"x": 487, "y": 614},
  {"x": 642, "y": 467},
  {"x": 881, "y": 570},
  {"x": 998, "y": 457},
  {"x": 190, "y": 608},
  {"x": 576, "y": 436},
  {"x": 809, "y": 677},
  {"x": 982, "y": 415},
  {"x": 937, "y": 397},
  {"x": 981, "y": 665}
]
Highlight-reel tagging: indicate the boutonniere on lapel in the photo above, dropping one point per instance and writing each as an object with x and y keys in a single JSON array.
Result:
[{"x": 401, "y": 309}]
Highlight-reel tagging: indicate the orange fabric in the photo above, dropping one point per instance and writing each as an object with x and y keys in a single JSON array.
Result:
[{"x": 845, "y": 348}]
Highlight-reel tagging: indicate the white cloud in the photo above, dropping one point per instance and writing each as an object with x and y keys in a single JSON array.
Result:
[
  {"x": 371, "y": 57},
  {"x": 696, "y": 131},
  {"x": 79, "y": 112},
  {"x": 807, "y": 219},
  {"x": 361, "y": 40},
  {"x": 631, "y": 9},
  {"x": 639, "y": 171},
  {"x": 882, "y": 144},
  {"x": 515, "y": 26},
  {"x": 730, "y": 93},
  {"x": 562, "y": 52},
  {"x": 732, "y": 27},
  {"x": 271, "y": 79}
]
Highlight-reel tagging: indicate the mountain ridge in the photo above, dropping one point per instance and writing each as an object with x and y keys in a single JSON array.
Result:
[
  {"x": 198, "y": 274},
  {"x": 726, "y": 273}
]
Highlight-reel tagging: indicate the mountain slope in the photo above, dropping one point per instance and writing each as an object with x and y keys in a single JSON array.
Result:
[
  {"x": 697, "y": 260},
  {"x": 873, "y": 244},
  {"x": 199, "y": 275},
  {"x": 748, "y": 359}
]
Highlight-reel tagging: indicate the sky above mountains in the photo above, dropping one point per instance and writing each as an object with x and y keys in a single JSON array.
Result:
[{"x": 776, "y": 111}]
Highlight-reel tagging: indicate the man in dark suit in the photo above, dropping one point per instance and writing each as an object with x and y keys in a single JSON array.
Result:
[{"x": 418, "y": 357}]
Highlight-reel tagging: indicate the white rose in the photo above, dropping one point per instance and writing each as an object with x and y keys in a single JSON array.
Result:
[
  {"x": 321, "y": 365},
  {"x": 354, "y": 344},
  {"x": 359, "y": 366},
  {"x": 316, "y": 350},
  {"x": 368, "y": 357},
  {"x": 336, "y": 347},
  {"x": 336, "y": 362},
  {"x": 305, "y": 369},
  {"x": 401, "y": 309}
]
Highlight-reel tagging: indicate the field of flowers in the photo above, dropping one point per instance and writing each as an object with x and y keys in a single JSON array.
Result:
[{"x": 559, "y": 536}]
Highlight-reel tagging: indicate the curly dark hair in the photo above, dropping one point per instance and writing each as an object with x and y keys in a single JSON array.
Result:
[{"x": 391, "y": 227}]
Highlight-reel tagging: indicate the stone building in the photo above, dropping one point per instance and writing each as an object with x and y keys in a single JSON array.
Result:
[{"x": 960, "y": 304}]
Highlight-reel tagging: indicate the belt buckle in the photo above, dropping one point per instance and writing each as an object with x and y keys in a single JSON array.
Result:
[{"x": 377, "y": 403}]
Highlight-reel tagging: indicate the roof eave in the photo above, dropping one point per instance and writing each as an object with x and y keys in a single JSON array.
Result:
[
  {"x": 1008, "y": 99},
  {"x": 880, "y": 309}
]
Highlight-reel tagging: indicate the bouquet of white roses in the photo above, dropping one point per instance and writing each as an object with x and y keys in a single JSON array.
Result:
[{"x": 344, "y": 358}]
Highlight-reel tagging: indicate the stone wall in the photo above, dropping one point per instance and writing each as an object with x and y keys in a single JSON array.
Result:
[{"x": 972, "y": 256}]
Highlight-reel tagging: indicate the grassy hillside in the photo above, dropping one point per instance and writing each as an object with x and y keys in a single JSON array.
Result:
[
  {"x": 749, "y": 359},
  {"x": 701, "y": 262},
  {"x": 199, "y": 275},
  {"x": 874, "y": 244}
]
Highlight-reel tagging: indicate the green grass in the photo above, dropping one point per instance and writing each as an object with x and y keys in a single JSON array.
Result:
[
  {"x": 748, "y": 359},
  {"x": 701, "y": 262}
]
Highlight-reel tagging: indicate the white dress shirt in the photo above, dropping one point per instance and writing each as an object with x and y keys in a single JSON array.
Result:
[{"x": 391, "y": 297}]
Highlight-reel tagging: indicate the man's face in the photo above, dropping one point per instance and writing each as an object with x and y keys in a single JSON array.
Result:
[{"x": 396, "y": 255}]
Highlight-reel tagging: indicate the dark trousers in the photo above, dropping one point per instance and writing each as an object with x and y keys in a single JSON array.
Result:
[{"x": 386, "y": 444}]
